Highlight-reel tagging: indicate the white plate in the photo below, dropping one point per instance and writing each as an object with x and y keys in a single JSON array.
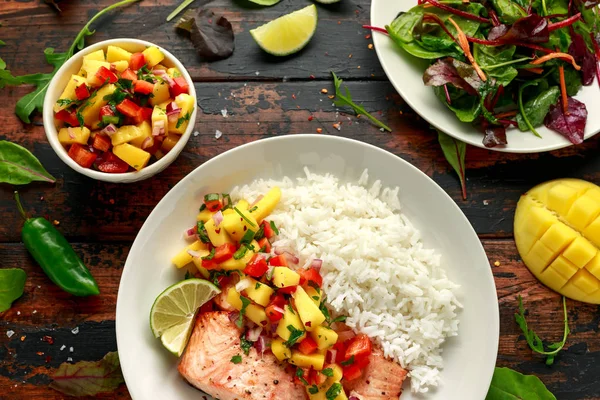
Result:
[
  {"x": 150, "y": 371},
  {"x": 406, "y": 74}
]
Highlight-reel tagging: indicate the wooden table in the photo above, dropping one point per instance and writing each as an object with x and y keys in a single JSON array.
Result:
[{"x": 264, "y": 96}]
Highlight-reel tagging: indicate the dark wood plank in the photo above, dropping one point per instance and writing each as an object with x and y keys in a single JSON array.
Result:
[{"x": 96, "y": 337}]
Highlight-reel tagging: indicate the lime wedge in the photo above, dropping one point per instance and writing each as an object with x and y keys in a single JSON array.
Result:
[
  {"x": 173, "y": 311},
  {"x": 287, "y": 34}
]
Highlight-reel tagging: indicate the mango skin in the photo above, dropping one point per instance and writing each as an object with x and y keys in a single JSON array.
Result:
[{"x": 557, "y": 233}]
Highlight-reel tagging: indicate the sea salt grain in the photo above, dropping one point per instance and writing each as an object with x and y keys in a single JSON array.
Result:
[
  {"x": 224, "y": 113},
  {"x": 63, "y": 347},
  {"x": 75, "y": 330},
  {"x": 69, "y": 359},
  {"x": 10, "y": 333},
  {"x": 196, "y": 133},
  {"x": 218, "y": 134},
  {"x": 71, "y": 349}
]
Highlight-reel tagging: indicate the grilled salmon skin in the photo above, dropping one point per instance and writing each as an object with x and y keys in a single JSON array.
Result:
[
  {"x": 381, "y": 380},
  {"x": 207, "y": 365}
]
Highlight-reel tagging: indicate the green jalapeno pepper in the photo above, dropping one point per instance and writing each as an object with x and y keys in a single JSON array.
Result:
[{"x": 55, "y": 255}]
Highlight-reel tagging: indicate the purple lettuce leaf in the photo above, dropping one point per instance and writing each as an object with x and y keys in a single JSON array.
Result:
[
  {"x": 584, "y": 57},
  {"x": 570, "y": 125},
  {"x": 495, "y": 135},
  {"x": 530, "y": 29},
  {"x": 457, "y": 73}
]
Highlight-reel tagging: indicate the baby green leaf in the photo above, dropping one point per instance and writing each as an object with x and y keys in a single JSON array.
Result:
[
  {"x": 454, "y": 151},
  {"x": 533, "y": 112},
  {"x": 534, "y": 341},
  {"x": 512, "y": 385},
  {"x": 88, "y": 378},
  {"x": 12, "y": 282},
  {"x": 19, "y": 167},
  {"x": 346, "y": 100}
]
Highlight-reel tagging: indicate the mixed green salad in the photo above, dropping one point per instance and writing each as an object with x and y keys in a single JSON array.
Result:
[{"x": 507, "y": 63}]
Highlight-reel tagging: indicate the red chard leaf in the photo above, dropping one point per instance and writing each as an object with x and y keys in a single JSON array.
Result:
[
  {"x": 457, "y": 73},
  {"x": 572, "y": 124},
  {"x": 584, "y": 57},
  {"x": 530, "y": 29},
  {"x": 212, "y": 35},
  {"x": 88, "y": 378},
  {"x": 494, "y": 135},
  {"x": 455, "y": 151}
]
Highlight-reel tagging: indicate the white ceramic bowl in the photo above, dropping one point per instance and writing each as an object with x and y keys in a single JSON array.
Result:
[
  {"x": 406, "y": 74},
  {"x": 72, "y": 66},
  {"x": 151, "y": 371}
]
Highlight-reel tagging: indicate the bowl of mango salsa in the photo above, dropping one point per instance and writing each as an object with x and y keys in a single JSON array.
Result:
[{"x": 120, "y": 110}]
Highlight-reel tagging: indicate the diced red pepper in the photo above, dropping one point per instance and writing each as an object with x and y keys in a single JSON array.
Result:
[
  {"x": 278, "y": 261},
  {"x": 224, "y": 252},
  {"x": 129, "y": 108},
  {"x": 101, "y": 142},
  {"x": 129, "y": 75},
  {"x": 213, "y": 205},
  {"x": 137, "y": 61},
  {"x": 264, "y": 242},
  {"x": 82, "y": 156},
  {"x": 143, "y": 87},
  {"x": 305, "y": 375},
  {"x": 69, "y": 117},
  {"x": 278, "y": 301},
  {"x": 106, "y": 111},
  {"x": 352, "y": 372},
  {"x": 112, "y": 164},
  {"x": 269, "y": 233},
  {"x": 287, "y": 289},
  {"x": 179, "y": 86},
  {"x": 310, "y": 275},
  {"x": 106, "y": 75},
  {"x": 209, "y": 264},
  {"x": 223, "y": 280},
  {"x": 316, "y": 377},
  {"x": 307, "y": 346},
  {"x": 82, "y": 92},
  {"x": 358, "y": 347},
  {"x": 145, "y": 114},
  {"x": 207, "y": 307},
  {"x": 256, "y": 267}
]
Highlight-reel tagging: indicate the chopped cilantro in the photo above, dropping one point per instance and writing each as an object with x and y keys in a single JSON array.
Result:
[
  {"x": 253, "y": 209},
  {"x": 252, "y": 224},
  {"x": 210, "y": 256},
  {"x": 226, "y": 204},
  {"x": 324, "y": 310},
  {"x": 341, "y": 318},
  {"x": 248, "y": 236},
  {"x": 274, "y": 227},
  {"x": 245, "y": 304},
  {"x": 263, "y": 249},
  {"x": 188, "y": 275},
  {"x": 66, "y": 102},
  {"x": 260, "y": 233},
  {"x": 295, "y": 335},
  {"x": 349, "y": 361},
  {"x": 334, "y": 391},
  {"x": 314, "y": 389},
  {"x": 300, "y": 375},
  {"x": 316, "y": 298},
  {"x": 314, "y": 286},
  {"x": 241, "y": 252},
  {"x": 236, "y": 359},
  {"x": 183, "y": 119},
  {"x": 257, "y": 286},
  {"x": 202, "y": 232},
  {"x": 245, "y": 344},
  {"x": 327, "y": 372},
  {"x": 211, "y": 197},
  {"x": 202, "y": 207}
]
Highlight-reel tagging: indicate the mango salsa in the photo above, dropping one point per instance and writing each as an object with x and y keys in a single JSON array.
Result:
[
  {"x": 136, "y": 158},
  {"x": 67, "y": 136},
  {"x": 68, "y": 93}
]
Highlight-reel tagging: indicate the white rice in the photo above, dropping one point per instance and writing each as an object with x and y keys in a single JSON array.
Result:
[{"x": 375, "y": 268}]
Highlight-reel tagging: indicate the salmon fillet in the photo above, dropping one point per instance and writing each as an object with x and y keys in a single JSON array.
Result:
[
  {"x": 381, "y": 380},
  {"x": 206, "y": 364}
]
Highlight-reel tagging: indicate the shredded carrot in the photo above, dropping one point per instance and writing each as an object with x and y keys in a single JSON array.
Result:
[
  {"x": 538, "y": 71},
  {"x": 506, "y": 114},
  {"x": 464, "y": 45},
  {"x": 426, "y": 5},
  {"x": 563, "y": 90},
  {"x": 563, "y": 56}
]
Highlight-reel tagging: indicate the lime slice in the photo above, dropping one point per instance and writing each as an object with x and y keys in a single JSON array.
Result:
[
  {"x": 173, "y": 311},
  {"x": 288, "y": 34}
]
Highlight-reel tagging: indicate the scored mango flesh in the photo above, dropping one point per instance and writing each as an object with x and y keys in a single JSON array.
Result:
[{"x": 557, "y": 233}]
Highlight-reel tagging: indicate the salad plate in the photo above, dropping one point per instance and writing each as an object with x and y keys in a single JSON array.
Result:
[{"x": 406, "y": 74}]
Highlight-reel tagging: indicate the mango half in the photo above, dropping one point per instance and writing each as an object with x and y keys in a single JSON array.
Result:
[{"x": 557, "y": 233}]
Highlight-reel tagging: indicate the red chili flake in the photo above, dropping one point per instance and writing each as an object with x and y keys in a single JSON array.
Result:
[
  {"x": 310, "y": 117},
  {"x": 40, "y": 353},
  {"x": 245, "y": 228},
  {"x": 312, "y": 77},
  {"x": 112, "y": 201},
  {"x": 293, "y": 96},
  {"x": 339, "y": 22},
  {"x": 370, "y": 46},
  {"x": 350, "y": 55},
  {"x": 217, "y": 231},
  {"x": 41, "y": 198},
  {"x": 48, "y": 339},
  {"x": 368, "y": 36},
  {"x": 48, "y": 359},
  {"x": 23, "y": 338},
  {"x": 308, "y": 323},
  {"x": 319, "y": 130},
  {"x": 56, "y": 222}
]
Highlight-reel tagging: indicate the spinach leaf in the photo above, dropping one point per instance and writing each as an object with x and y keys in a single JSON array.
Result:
[
  {"x": 12, "y": 283},
  {"x": 549, "y": 7},
  {"x": 508, "y": 384},
  {"x": 508, "y": 11},
  {"x": 572, "y": 79},
  {"x": 19, "y": 167},
  {"x": 466, "y": 107},
  {"x": 212, "y": 35},
  {"x": 537, "y": 108},
  {"x": 455, "y": 151},
  {"x": 494, "y": 61},
  {"x": 404, "y": 25}
]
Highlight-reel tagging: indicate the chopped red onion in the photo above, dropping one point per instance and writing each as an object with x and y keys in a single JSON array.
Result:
[
  {"x": 353, "y": 398},
  {"x": 218, "y": 218},
  {"x": 278, "y": 309},
  {"x": 158, "y": 128},
  {"x": 161, "y": 73},
  {"x": 173, "y": 108},
  {"x": 261, "y": 345},
  {"x": 345, "y": 335},
  {"x": 317, "y": 264},
  {"x": 109, "y": 129},
  {"x": 331, "y": 356},
  {"x": 193, "y": 253},
  {"x": 190, "y": 234},
  {"x": 71, "y": 134},
  {"x": 233, "y": 316},
  {"x": 253, "y": 334},
  {"x": 259, "y": 198},
  {"x": 243, "y": 284},
  {"x": 291, "y": 258},
  {"x": 148, "y": 142}
]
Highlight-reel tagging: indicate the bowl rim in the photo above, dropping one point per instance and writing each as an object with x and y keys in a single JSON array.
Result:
[
  {"x": 146, "y": 228},
  {"x": 52, "y": 134}
]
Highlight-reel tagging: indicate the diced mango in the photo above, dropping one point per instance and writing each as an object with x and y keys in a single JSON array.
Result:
[
  {"x": 557, "y": 233},
  {"x": 97, "y": 55},
  {"x": 237, "y": 225},
  {"x": 310, "y": 314},
  {"x": 217, "y": 236},
  {"x": 242, "y": 205},
  {"x": 233, "y": 298},
  {"x": 325, "y": 337},
  {"x": 290, "y": 318},
  {"x": 159, "y": 67},
  {"x": 280, "y": 350},
  {"x": 204, "y": 215},
  {"x": 160, "y": 119},
  {"x": 186, "y": 103},
  {"x": 90, "y": 109},
  {"x": 259, "y": 293},
  {"x": 67, "y": 136},
  {"x": 146, "y": 132},
  {"x": 233, "y": 264},
  {"x": 256, "y": 314},
  {"x": 284, "y": 277},
  {"x": 137, "y": 158},
  {"x": 173, "y": 72},
  {"x": 314, "y": 294},
  {"x": 115, "y": 53},
  {"x": 153, "y": 56},
  {"x": 183, "y": 258},
  {"x": 160, "y": 94},
  {"x": 198, "y": 263},
  {"x": 170, "y": 142},
  {"x": 265, "y": 206},
  {"x": 314, "y": 360},
  {"x": 91, "y": 67},
  {"x": 125, "y": 134},
  {"x": 120, "y": 66},
  {"x": 338, "y": 373},
  {"x": 69, "y": 92}
]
